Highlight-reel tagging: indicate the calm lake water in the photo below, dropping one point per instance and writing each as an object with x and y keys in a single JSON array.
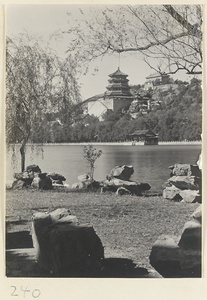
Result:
[{"x": 150, "y": 162}]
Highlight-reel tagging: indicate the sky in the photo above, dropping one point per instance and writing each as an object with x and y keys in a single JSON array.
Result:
[{"x": 44, "y": 20}]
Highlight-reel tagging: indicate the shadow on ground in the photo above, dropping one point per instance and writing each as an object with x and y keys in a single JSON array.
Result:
[
  {"x": 122, "y": 268},
  {"x": 22, "y": 263},
  {"x": 17, "y": 240}
]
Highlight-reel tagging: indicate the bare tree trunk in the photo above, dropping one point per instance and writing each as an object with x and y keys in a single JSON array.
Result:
[
  {"x": 92, "y": 172},
  {"x": 22, "y": 152}
]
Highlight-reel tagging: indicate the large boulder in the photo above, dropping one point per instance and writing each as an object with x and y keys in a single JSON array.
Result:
[
  {"x": 22, "y": 176},
  {"x": 33, "y": 177},
  {"x": 108, "y": 188},
  {"x": 184, "y": 185},
  {"x": 85, "y": 181},
  {"x": 133, "y": 187},
  {"x": 18, "y": 185},
  {"x": 116, "y": 183},
  {"x": 121, "y": 172},
  {"x": 185, "y": 182},
  {"x": 84, "y": 178},
  {"x": 175, "y": 194},
  {"x": 191, "y": 236},
  {"x": 172, "y": 193},
  {"x": 144, "y": 186},
  {"x": 41, "y": 224},
  {"x": 65, "y": 248},
  {"x": 190, "y": 196},
  {"x": 190, "y": 245},
  {"x": 25, "y": 177},
  {"x": 185, "y": 170},
  {"x": 56, "y": 178},
  {"x": 33, "y": 168},
  {"x": 94, "y": 185},
  {"x": 77, "y": 185},
  {"x": 180, "y": 256},
  {"x": 36, "y": 182},
  {"x": 165, "y": 256},
  {"x": 41, "y": 181},
  {"x": 60, "y": 213}
]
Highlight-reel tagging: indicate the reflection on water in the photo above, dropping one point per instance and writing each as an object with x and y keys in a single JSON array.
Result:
[{"x": 150, "y": 162}]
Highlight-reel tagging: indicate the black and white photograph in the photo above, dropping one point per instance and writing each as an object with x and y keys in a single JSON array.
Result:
[{"x": 103, "y": 134}]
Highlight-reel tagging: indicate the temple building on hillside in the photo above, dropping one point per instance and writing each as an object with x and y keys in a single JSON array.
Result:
[
  {"x": 148, "y": 137},
  {"x": 116, "y": 97},
  {"x": 157, "y": 79}
]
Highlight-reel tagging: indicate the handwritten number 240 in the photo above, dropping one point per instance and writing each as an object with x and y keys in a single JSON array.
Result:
[{"x": 23, "y": 291}]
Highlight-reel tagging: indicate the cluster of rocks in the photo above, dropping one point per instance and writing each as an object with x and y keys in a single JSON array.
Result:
[
  {"x": 184, "y": 184},
  {"x": 63, "y": 246},
  {"x": 34, "y": 178},
  {"x": 119, "y": 181},
  {"x": 180, "y": 256},
  {"x": 85, "y": 181}
]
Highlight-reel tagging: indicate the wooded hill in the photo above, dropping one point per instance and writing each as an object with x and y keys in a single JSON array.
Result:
[{"x": 178, "y": 117}]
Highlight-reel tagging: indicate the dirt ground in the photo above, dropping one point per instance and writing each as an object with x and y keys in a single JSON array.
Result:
[{"x": 127, "y": 226}]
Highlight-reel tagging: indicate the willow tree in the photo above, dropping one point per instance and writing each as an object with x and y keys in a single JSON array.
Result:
[
  {"x": 168, "y": 38},
  {"x": 37, "y": 83}
]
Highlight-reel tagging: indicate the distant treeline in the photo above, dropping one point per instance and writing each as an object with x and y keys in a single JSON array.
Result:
[{"x": 178, "y": 118}]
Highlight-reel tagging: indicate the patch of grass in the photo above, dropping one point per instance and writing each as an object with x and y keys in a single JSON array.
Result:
[{"x": 126, "y": 225}]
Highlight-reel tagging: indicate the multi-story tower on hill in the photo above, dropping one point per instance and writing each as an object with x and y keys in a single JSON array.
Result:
[
  {"x": 118, "y": 86},
  {"x": 116, "y": 97}
]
